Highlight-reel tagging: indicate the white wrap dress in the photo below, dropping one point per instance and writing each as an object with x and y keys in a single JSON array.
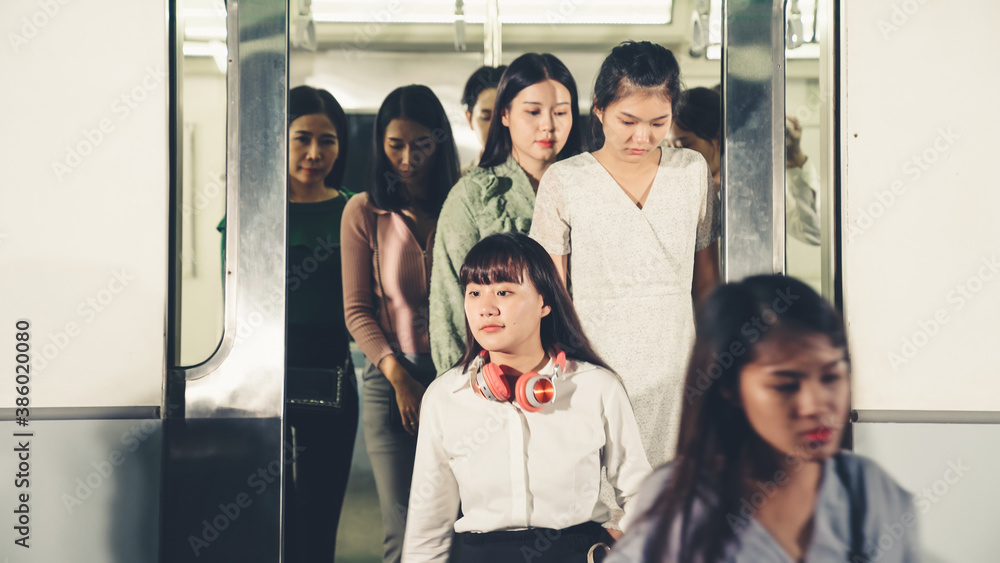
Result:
[{"x": 630, "y": 273}]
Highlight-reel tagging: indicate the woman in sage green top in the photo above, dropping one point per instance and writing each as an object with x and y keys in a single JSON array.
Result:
[{"x": 537, "y": 124}]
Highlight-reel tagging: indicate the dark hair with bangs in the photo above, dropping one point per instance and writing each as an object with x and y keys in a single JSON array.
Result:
[
  {"x": 413, "y": 103},
  {"x": 633, "y": 66},
  {"x": 712, "y": 450},
  {"x": 527, "y": 70},
  {"x": 508, "y": 257},
  {"x": 306, "y": 100}
]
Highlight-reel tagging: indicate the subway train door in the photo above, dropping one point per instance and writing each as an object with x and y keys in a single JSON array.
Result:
[
  {"x": 907, "y": 125},
  {"x": 112, "y": 451},
  {"x": 225, "y": 456}
]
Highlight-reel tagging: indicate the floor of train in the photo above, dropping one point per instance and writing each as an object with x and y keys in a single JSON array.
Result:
[{"x": 359, "y": 538}]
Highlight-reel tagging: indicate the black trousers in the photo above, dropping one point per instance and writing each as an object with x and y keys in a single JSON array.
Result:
[
  {"x": 316, "y": 479},
  {"x": 534, "y": 545}
]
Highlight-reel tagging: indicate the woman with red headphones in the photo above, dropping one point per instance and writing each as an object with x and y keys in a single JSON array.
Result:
[{"x": 519, "y": 432}]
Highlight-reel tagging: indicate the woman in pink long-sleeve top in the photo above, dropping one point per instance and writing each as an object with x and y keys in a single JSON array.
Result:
[{"x": 386, "y": 240}]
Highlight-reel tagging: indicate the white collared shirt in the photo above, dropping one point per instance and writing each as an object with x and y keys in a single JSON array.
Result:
[{"x": 512, "y": 469}]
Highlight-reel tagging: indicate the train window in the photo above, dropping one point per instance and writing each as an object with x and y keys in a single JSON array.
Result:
[
  {"x": 201, "y": 85},
  {"x": 808, "y": 140}
]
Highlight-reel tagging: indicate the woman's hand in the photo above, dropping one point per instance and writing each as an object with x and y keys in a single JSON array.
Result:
[
  {"x": 794, "y": 157},
  {"x": 408, "y": 395},
  {"x": 409, "y": 391}
]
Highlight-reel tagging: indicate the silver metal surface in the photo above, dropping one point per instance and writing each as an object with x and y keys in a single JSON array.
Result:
[
  {"x": 245, "y": 376},
  {"x": 92, "y": 490},
  {"x": 829, "y": 143},
  {"x": 926, "y": 417},
  {"x": 753, "y": 166},
  {"x": 86, "y": 413},
  {"x": 951, "y": 471}
]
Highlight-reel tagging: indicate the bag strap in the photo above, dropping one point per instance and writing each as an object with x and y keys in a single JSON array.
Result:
[
  {"x": 592, "y": 554},
  {"x": 855, "y": 483}
]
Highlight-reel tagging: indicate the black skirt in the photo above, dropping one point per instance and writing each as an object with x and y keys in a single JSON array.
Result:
[{"x": 534, "y": 545}]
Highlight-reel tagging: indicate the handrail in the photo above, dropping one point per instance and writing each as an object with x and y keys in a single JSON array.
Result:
[
  {"x": 924, "y": 417},
  {"x": 245, "y": 374}
]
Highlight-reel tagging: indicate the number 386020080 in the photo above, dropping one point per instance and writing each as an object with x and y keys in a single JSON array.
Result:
[{"x": 22, "y": 368}]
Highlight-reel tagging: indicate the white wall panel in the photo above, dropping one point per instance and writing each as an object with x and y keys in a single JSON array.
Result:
[
  {"x": 951, "y": 470},
  {"x": 83, "y": 219},
  {"x": 92, "y": 492},
  {"x": 921, "y": 254}
]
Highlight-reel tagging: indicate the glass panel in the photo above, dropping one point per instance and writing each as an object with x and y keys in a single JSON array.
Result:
[
  {"x": 201, "y": 88},
  {"x": 804, "y": 115}
]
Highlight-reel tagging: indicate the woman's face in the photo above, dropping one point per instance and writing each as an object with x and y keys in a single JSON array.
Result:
[
  {"x": 312, "y": 149},
  {"x": 795, "y": 394},
  {"x": 410, "y": 148},
  {"x": 682, "y": 138},
  {"x": 506, "y": 317},
  {"x": 539, "y": 120},
  {"x": 482, "y": 113},
  {"x": 635, "y": 125}
]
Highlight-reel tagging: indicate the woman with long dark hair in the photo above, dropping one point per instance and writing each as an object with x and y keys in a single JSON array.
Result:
[
  {"x": 758, "y": 473},
  {"x": 536, "y": 123},
  {"x": 321, "y": 391},
  {"x": 632, "y": 227},
  {"x": 387, "y": 236},
  {"x": 519, "y": 432}
]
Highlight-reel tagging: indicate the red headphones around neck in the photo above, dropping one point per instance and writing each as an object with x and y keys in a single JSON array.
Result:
[{"x": 531, "y": 392}]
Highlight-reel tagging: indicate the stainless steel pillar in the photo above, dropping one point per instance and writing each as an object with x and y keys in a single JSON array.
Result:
[{"x": 753, "y": 166}]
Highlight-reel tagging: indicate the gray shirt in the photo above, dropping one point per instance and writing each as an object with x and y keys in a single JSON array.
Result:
[{"x": 888, "y": 522}]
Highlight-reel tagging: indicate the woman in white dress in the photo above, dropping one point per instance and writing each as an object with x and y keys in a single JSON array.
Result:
[{"x": 632, "y": 228}]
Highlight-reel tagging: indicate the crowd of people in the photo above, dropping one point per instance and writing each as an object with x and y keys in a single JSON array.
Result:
[{"x": 538, "y": 385}]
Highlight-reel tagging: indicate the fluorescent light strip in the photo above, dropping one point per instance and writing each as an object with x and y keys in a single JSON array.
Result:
[{"x": 554, "y": 12}]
